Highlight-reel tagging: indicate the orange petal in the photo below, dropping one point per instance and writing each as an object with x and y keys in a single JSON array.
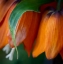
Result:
[
  {"x": 54, "y": 37},
  {"x": 28, "y": 42},
  {"x": 4, "y": 28},
  {"x": 40, "y": 44},
  {"x": 4, "y": 7}
]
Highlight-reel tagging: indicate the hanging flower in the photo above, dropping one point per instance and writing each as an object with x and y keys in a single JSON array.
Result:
[
  {"x": 8, "y": 6},
  {"x": 48, "y": 26},
  {"x": 30, "y": 25},
  {"x": 50, "y": 38},
  {"x": 23, "y": 31}
]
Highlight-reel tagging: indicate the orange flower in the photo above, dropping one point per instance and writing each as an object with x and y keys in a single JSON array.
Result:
[
  {"x": 49, "y": 34},
  {"x": 27, "y": 30},
  {"x": 28, "y": 20},
  {"x": 4, "y": 26},
  {"x": 39, "y": 47},
  {"x": 50, "y": 38},
  {"x": 4, "y": 7}
]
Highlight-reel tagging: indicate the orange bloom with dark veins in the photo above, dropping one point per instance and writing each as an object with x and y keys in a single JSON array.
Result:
[{"x": 50, "y": 38}]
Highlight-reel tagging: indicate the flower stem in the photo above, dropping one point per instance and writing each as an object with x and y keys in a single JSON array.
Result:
[{"x": 59, "y": 5}]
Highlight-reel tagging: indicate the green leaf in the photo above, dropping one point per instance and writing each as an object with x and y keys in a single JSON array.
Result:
[{"x": 23, "y": 6}]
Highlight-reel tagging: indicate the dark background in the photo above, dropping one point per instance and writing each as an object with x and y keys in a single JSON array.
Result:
[{"x": 24, "y": 59}]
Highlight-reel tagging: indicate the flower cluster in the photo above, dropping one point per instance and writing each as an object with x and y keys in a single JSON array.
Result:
[{"x": 39, "y": 32}]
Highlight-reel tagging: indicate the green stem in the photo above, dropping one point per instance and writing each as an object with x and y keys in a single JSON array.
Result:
[
  {"x": 59, "y": 5},
  {"x": 14, "y": 41}
]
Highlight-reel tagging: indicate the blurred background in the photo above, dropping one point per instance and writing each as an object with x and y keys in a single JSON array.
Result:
[{"x": 24, "y": 59}]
